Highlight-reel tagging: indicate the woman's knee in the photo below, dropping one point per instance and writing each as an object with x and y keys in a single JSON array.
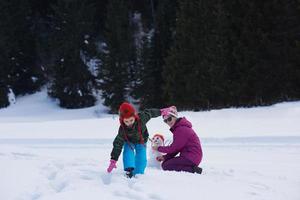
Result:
[{"x": 165, "y": 165}]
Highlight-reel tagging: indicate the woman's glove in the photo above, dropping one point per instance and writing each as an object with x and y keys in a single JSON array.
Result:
[
  {"x": 160, "y": 158},
  {"x": 112, "y": 165}
]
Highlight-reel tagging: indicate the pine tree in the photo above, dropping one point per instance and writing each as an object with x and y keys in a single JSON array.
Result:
[
  {"x": 233, "y": 53},
  {"x": 186, "y": 72},
  {"x": 156, "y": 43},
  {"x": 216, "y": 54},
  {"x": 3, "y": 93},
  {"x": 17, "y": 47},
  {"x": 263, "y": 51},
  {"x": 144, "y": 76},
  {"x": 3, "y": 77},
  {"x": 285, "y": 48},
  {"x": 119, "y": 55},
  {"x": 72, "y": 83},
  {"x": 197, "y": 70}
]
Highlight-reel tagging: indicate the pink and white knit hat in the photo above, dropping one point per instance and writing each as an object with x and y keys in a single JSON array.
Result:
[{"x": 166, "y": 112}]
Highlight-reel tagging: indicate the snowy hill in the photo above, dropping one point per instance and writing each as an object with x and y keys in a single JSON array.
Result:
[
  {"x": 37, "y": 116},
  {"x": 51, "y": 153}
]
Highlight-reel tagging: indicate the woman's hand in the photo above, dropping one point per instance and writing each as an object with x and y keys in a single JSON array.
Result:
[{"x": 160, "y": 158}]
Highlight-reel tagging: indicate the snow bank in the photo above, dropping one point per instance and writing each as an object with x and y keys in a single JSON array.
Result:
[{"x": 38, "y": 116}]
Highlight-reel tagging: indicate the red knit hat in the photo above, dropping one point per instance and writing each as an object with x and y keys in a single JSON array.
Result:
[{"x": 126, "y": 110}]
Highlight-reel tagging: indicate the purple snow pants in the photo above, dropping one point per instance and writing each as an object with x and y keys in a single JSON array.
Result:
[{"x": 178, "y": 164}]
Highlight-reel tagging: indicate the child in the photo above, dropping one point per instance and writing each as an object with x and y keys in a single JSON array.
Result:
[
  {"x": 185, "y": 142},
  {"x": 132, "y": 138}
]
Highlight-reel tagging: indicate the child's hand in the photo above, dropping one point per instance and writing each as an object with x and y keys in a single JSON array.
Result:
[
  {"x": 164, "y": 111},
  {"x": 160, "y": 158},
  {"x": 112, "y": 165}
]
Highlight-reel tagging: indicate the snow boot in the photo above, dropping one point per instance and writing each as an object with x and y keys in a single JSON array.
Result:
[
  {"x": 129, "y": 172},
  {"x": 197, "y": 169}
]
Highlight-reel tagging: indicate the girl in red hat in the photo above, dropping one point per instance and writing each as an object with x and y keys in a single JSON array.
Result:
[{"x": 132, "y": 138}]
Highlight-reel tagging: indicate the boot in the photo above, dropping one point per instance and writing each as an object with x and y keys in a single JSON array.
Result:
[
  {"x": 197, "y": 169},
  {"x": 129, "y": 172}
]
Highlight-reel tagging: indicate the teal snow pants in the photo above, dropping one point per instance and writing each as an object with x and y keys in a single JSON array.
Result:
[{"x": 135, "y": 156}]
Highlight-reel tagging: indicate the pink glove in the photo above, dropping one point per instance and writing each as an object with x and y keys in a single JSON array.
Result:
[
  {"x": 169, "y": 111},
  {"x": 112, "y": 165},
  {"x": 164, "y": 111}
]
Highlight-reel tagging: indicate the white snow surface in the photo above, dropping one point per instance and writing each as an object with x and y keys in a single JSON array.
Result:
[{"x": 47, "y": 153}]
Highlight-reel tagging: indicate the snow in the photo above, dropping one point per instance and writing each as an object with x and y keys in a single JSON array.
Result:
[
  {"x": 47, "y": 152},
  {"x": 11, "y": 97},
  {"x": 93, "y": 66}
]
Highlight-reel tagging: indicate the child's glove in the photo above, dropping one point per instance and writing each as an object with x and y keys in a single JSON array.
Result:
[
  {"x": 164, "y": 111},
  {"x": 112, "y": 165}
]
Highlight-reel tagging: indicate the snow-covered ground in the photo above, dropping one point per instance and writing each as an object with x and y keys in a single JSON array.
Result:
[{"x": 51, "y": 153}]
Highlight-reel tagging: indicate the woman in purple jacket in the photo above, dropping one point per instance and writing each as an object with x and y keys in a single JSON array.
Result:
[{"x": 185, "y": 142}]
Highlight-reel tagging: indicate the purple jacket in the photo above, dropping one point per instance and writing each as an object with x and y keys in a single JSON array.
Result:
[{"x": 185, "y": 141}]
